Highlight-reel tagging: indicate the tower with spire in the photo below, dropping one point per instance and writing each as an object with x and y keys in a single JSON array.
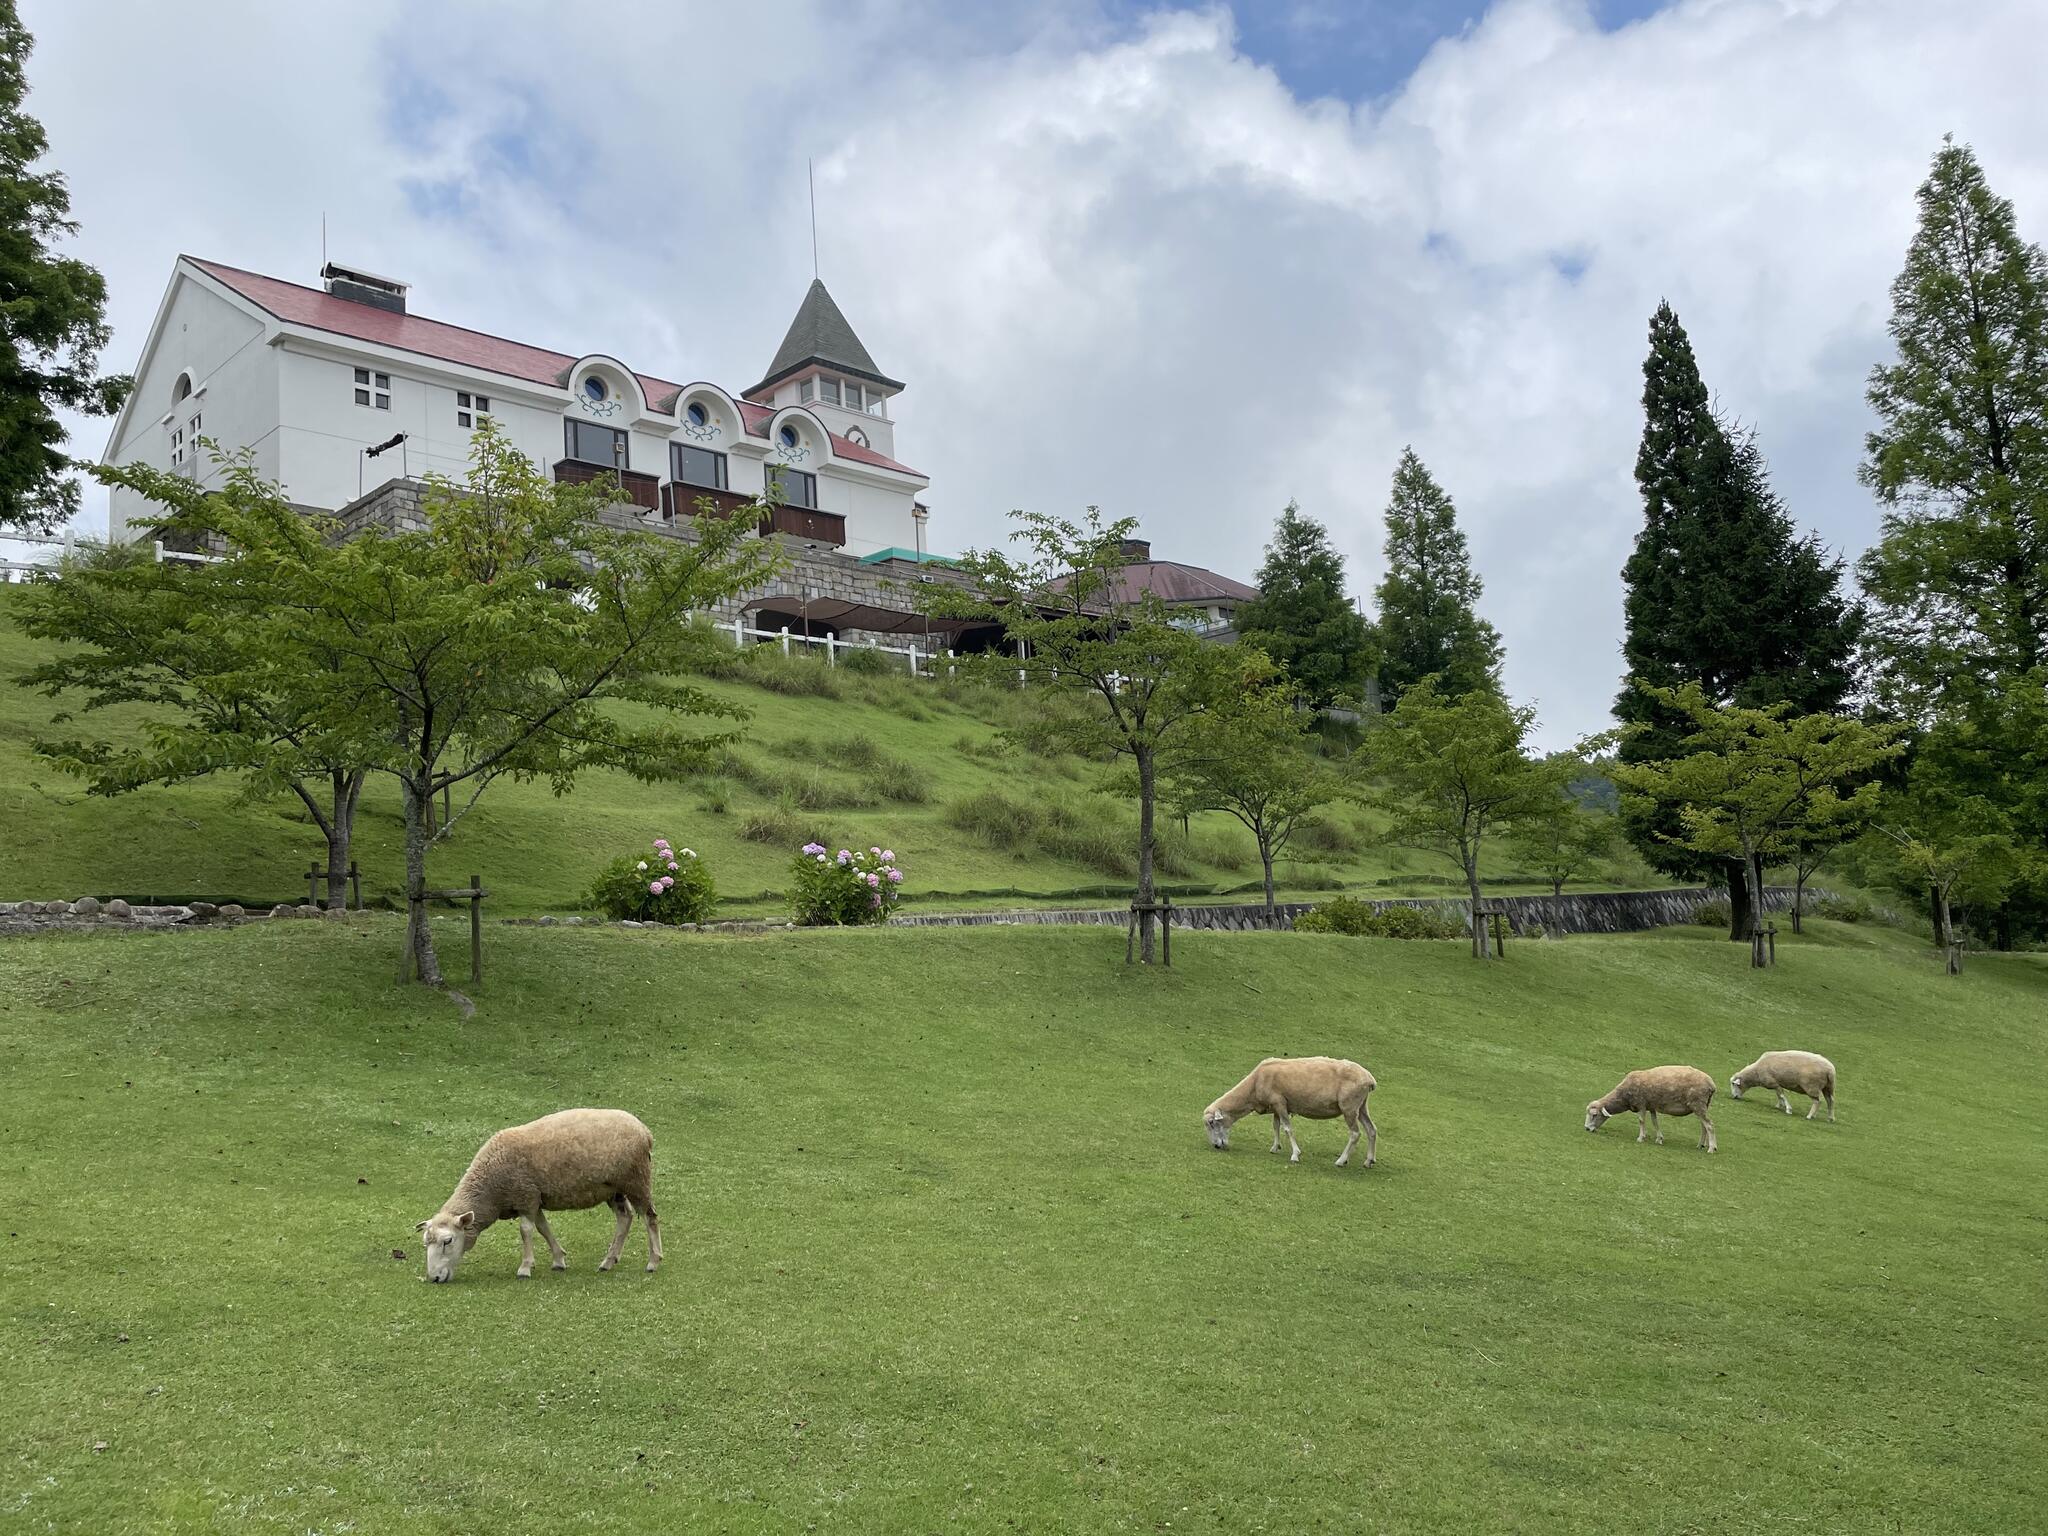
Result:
[{"x": 822, "y": 366}]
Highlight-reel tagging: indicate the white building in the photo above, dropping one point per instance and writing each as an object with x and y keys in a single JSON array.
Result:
[{"x": 339, "y": 389}]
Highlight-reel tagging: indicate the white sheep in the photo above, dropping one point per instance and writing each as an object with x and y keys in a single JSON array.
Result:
[
  {"x": 1315, "y": 1087},
  {"x": 568, "y": 1161},
  {"x": 1666, "y": 1090},
  {"x": 1800, "y": 1071}
]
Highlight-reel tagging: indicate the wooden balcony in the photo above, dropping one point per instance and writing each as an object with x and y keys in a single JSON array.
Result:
[
  {"x": 635, "y": 487},
  {"x": 804, "y": 523},
  {"x": 827, "y": 528}
]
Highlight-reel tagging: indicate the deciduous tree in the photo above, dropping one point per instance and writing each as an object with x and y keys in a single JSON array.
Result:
[
  {"x": 1133, "y": 677},
  {"x": 1561, "y": 838}
]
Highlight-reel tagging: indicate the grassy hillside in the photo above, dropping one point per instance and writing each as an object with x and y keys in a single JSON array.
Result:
[
  {"x": 914, "y": 766},
  {"x": 947, "y": 1248}
]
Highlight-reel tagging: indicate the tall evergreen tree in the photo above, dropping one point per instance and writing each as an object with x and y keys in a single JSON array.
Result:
[
  {"x": 52, "y": 321},
  {"x": 1720, "y": 590},
  {"x": 1302, "y": 618},
  {"x": 1960, "y": 455},
  {"x": 1959, "y": 461},
  {"x": 1428, "y": 624}
]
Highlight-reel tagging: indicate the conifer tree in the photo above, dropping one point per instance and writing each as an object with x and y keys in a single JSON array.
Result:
[
  {"x": 52, "y": 321},
  {"x": 1302, "y": 619},
  {"x": 1428, "y": 624},
  {"x": 1720, "y": 591}
]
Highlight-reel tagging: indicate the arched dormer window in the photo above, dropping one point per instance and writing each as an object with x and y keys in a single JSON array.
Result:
[
  {"x": 602, "y": 398},
  {"x": 706, "y": 421}
]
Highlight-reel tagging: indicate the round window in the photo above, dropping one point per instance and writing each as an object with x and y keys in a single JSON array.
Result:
[
  {"x": 857, "y": 437},
  {"x": 698, "y": 415},
  {"x": 595, "y": 388},
  {"x": 789, "y": 437}
]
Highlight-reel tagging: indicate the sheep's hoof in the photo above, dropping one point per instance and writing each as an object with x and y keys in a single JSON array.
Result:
[
  {"x": 603, "y": 1265},
  {"x": 651, "y": 1268},
  {"x": 560, "y": 1267},
  {"x": 1660, "y": 1141},
  {"x": 525, "y": 1274}
]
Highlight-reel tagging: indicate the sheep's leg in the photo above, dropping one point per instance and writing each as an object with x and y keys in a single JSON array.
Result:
[
  {"x": 1656, "y": 1128},
  {"x": 555, "y": 1253},
  {"x": 1784, "y": 1103},
  {"x": 625, "y": 1215},
  {"x": 525, "y": 1249},
  {"x": 1350, "y": 1119},
  {"x": 1372, "y": 1135},
  {"x": 1831, "y": 1106},
  {"x": 1642, "y": 1126},
  {"x": 1287, "y": 1124},
  {"x": 1706, "y": 1132},
  {"x": 653, "y": 1239},
  {"x": 1276, "y": 1132}
]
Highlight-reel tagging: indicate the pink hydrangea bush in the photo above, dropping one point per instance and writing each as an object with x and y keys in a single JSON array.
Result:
[
  {"x": 665, "y": 885},
  {"x": 845, "y": 887}
]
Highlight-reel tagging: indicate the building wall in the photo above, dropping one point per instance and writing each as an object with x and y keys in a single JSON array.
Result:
[{"x": 222, "y": 346}]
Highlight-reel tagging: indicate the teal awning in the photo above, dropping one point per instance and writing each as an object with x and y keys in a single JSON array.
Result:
[{"x": 910, "y": 555}]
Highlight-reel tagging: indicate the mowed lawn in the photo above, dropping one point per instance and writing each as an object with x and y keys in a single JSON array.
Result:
[{"x": 947, "y": 1250}]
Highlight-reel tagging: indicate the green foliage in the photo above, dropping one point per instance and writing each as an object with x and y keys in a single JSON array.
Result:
[
  {"x": 1712, "y": 914},
  {"x": 1361, "y": 920},
  {"x": 1429, "y": 625},
  {"x": 1560, "y": 839},
  {"x": 665, "y": 885},
  {"x": 1303, "y": 620},
  {"x": 1248, "y": 756},
  {"x": 52, "y": 313},
  {"x": 515, "y": 636},
  {"x": 781, "y": 823},
  {"x": 1449, "y": 771},
  {"x": 1720, "y": 590},
  {"x": 1066, "y": 829},
  {"x": 1124, "y": 676},
  {"x": 882, "y": 774},
  {"x": 843, "y": 889},
  {"x": 1852, "y": 909},
  {"x": 1960, "y": 455},
  {"x": 863, "y": 661}
]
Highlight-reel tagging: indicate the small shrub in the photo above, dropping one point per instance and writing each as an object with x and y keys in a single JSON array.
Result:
[
  {"x": 717, "y": 797},
  {"x": 781, "y": 823},
  {"x": 882, "y": 776},
  {"x": 1361, "y": 920},
  {"x": 1327, "y": 835},
  {"x": 989, "y": 749},
  {"x": 993, "y": 818},
  {"x": 1713, "y": 914},
  {"x": 843, "y": 889},
  {"x": 668, "y": 886},
  {"x": 796, "y": 675},
  {"x": 1849, "y": 909},
  {"x": 862, "y": 661}
]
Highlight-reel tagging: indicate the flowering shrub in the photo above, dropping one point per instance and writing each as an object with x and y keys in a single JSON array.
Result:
[
  {"x": 844, "y": 888},
  {"x": 670, "y": 885}
]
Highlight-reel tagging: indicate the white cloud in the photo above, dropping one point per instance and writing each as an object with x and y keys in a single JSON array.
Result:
[{"x": 1128, "y": 270}]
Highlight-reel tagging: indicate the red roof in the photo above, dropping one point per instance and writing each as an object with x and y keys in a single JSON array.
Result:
[
  {"x": 297, "y": 304},
  {"x": 1172, "y": 582}
]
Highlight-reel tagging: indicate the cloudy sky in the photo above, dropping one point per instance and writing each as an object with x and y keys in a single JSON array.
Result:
[{"x": 1181, "y": 263}]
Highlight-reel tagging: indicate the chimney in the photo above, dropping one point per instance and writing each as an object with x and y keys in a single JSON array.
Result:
[
  {"x": 1135, "y": 551},
  {"x": 360, "y": 287}
]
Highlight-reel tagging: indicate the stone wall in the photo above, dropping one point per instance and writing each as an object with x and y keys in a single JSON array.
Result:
[{"x": 1578, "y": 912}]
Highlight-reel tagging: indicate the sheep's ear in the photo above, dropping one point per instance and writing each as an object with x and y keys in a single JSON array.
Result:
[
  {"x": 466, "y": 1220},
  {"x": 419, "y": 1226}
]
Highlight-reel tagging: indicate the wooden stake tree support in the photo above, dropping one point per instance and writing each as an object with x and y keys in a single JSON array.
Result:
[
  {"x": 1498, "y": 915},
  {"x": 315, "y": 874},
  {"x": 474, "y": 893},
  {"x": 1163, "y": 909}
]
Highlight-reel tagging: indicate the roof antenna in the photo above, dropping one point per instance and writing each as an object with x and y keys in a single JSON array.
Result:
[
  {"x": 323, "y": 239},
  {"x": 810, "y": 177}
]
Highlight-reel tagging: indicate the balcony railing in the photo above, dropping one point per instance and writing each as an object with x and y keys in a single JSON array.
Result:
[
  {"x": 635, "y": 486},
  {"x": 797, "y": 522}
]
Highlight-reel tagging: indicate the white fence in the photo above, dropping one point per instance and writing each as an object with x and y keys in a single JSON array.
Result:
[
  {"x": 68, "y": 545},
  {"x": 922, "y": 661}
]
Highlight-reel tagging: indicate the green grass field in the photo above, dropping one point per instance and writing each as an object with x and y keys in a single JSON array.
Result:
[
  {"x": 538, "y": 853},
  {"x": 947, "y": 1250}
]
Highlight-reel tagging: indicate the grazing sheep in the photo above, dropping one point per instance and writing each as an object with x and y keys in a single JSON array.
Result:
[
  {"x": 1315, "y": 1087},
  {"x": 1666, "y": 1090},
  {"x": 1800, "y": 1071},
  {"x": 567, "y": 1161}
]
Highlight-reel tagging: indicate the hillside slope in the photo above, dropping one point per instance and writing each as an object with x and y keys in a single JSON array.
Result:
[{"x": 915, "y": 766}]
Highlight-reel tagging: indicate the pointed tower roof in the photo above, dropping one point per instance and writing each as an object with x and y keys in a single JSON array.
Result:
[{"x": 820, "y": 334}]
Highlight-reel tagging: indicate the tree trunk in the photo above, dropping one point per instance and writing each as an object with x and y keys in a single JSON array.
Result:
[
  {"x": 1557, "y": 885},
  {"x": 1937, "y": 915},
  {"x": 1798, "y": 898},
  {"x": 1951, "y": 948},
  {"x": 341, "y": 831},
  {"x": 1753, "y": 875},
  {"x": 1266, "y": 855},
  {"x": 1480, "y": 947},
  {"x": 419, "y": 957},
  {"x": 1147, "y": 788},
  {"x": 1739, "y": 919}
]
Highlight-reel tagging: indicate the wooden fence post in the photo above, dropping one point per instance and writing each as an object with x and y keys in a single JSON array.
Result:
[
  {"x": 355, "y": 884},
  {"x": 476, "y": 927},
  {"x": 313, "y": 874}
]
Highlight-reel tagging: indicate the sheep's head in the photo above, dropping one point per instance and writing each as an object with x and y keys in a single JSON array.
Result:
[
  {"x": 447, "y": 1239},
  {"x": 1735, "y": 1086},
  {"x": 1597, "y": 1115},
  {"x": 1217, "y": 1124}
]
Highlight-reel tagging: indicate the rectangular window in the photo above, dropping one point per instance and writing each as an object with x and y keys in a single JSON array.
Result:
[
  {"x": 792, "y": 487},
  {"x": 470, "y": 409},
  {"x": 805, "y": 390},
  {"x": 193, "y": 430},
  {"x": 373, "y": 389},
  {"x": 874, "y": 403},
  {"x": 177, "y": 445},
  {"x": 830, "y": 387},
  {"x": 592, "y": 444},
  {"x": 696, "y": 466}
]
